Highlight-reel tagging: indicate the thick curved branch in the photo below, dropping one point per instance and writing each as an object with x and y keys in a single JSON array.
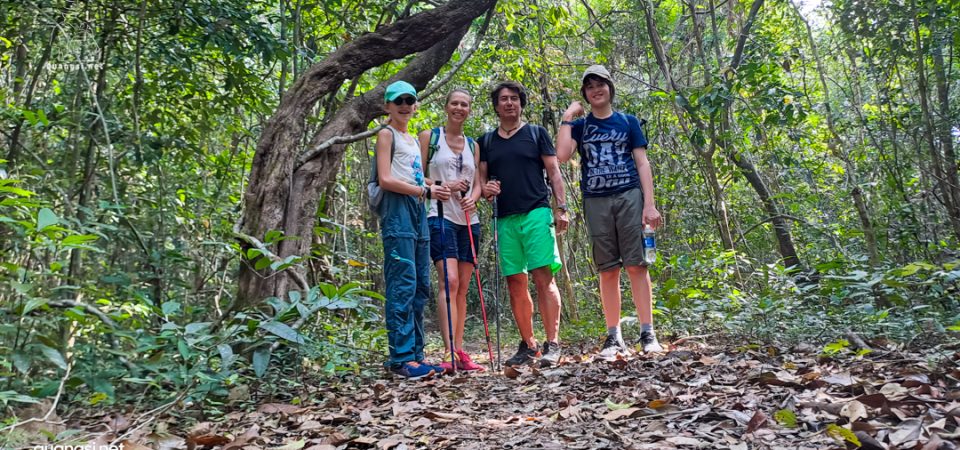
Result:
[{"x": 463, "y": 59}]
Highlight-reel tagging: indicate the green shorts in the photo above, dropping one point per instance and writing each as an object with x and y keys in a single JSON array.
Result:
[{"x": 527, "y": 241}]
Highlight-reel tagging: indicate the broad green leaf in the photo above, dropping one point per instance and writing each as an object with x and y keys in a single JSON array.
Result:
[
  {"x": 837, "y": 432},
  {"x": 16, "y": 191},
  {"x": 46, "y": 218},
  {"x": 33, "y": 304},
  {"x": 262, "y": 263},
  {"x": 261, "y": 360},
  {"x": 14, "y": 396},
  {"x": 836, "y": 347},
  {"x": 54, "y": 356},
  {"x": 21, "y": 361},
  {"x": 77, "y": 239},
  {"x": 612, "y": 406},
  {"x": 170, "y": 307},
  {"x": 284, "y": 331},
  {"x": 194, "y": 328},
  {"x": 226, "y": 356},
  {"x": 786, "y": 418}
]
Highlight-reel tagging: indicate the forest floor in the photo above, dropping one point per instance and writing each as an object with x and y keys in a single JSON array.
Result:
[{"x": 700, "y": 394}]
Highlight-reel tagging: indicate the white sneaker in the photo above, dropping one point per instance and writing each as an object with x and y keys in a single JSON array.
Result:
[
  {"x": 649, "y": 342},
  {"x": 611, "y": 348}
]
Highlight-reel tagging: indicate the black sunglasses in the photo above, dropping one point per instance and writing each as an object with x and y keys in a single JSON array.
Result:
[{"x": 404, "y": 100}]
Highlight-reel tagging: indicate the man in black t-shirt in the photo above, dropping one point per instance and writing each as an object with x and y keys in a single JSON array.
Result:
[{"x": 513, "y": 159}]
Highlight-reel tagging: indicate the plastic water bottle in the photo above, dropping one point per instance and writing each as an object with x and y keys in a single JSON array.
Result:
[{"x": 649, "y": 246}]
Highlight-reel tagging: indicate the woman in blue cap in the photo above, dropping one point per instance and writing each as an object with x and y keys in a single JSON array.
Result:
[{"x": 406, "y": 237}]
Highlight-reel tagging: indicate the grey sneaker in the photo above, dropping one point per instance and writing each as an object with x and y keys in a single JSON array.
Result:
[
  {"x": 525, "y": 355},
  {"x": 551, "y": 354},
  {"x": 611, "y": 348},
  {"x": 649, "y": 342}
]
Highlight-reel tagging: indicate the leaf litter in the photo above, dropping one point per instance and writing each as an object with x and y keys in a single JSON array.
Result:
[{"x": 699, "y": 397}]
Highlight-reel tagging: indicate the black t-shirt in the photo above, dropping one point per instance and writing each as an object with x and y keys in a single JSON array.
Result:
[{"x": 517, "y": 163}]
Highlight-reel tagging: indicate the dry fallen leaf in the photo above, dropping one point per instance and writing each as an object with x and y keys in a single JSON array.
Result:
[
  {"x": 854, "y": 411},
  {"x": 128, "y": 445},
  {"x": 619, "y": 413},
  {"x": 295, "y": 445},
  {"x": 906, "y": 431},
  {"x": 278, "y": 408},
  {"x": 252, "y": 433},
  {"x": 759, "y": 419}
]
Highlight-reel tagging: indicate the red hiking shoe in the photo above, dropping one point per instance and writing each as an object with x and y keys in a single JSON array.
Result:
[{"x": 465, "y": 363}]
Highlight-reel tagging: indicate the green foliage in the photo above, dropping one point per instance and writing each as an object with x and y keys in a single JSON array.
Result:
[{"x": 119, "y": 197}]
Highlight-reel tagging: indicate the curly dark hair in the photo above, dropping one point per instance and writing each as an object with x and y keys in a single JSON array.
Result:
[{"x": 513, "y": 86}]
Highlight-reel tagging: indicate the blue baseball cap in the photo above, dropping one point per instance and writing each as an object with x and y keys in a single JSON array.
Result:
[{"x": 398, "y": 88}]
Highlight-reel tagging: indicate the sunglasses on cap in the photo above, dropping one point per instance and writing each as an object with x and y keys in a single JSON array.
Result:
[{"x": 405, "y": 100}]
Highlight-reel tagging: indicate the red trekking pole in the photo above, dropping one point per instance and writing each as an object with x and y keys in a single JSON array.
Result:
[{"x": 476, "y": 273}]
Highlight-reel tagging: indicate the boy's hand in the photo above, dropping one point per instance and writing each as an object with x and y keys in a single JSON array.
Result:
[{"x": 574, "y": 110}]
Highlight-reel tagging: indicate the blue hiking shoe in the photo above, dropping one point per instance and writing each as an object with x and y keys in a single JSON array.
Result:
[{"x": 413, "y": 370}]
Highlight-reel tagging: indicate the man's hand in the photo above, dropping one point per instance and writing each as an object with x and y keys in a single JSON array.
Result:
[
  {"x": 491, "y": 189},
  {"x": 652, "y": 217},
  {"x": 561, "y": 219}
]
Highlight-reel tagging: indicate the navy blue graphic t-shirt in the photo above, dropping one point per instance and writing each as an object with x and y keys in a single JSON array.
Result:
[{"x": 606, "y": 153}]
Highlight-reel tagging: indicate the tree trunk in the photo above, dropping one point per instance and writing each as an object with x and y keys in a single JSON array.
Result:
[
  {"x": 283, "y": 192},
  {"x": 943, "y": 124},
  {"x": 929, "y": 127}
]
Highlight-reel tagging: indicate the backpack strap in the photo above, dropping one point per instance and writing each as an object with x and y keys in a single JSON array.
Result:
[
  {"x": 485, "y": 139},
  {"x": 374, "y": 177},
  {"x": 434, "y": 143}
]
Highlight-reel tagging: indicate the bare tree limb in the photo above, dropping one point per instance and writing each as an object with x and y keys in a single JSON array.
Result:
[{"x": 306, "y": 157}]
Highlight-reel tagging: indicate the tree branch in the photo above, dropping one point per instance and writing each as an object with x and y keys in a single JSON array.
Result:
[
  {"x": 306, "y": 157},
  {"x": 316, "y": 151},
  {"x": 255, "y": 243},
  {"x": 744, "y": 33},
  {"x": 67, "y": 303},
  {"x": 465, "y": 57}
]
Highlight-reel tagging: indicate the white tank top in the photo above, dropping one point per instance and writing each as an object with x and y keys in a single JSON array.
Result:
[
  {"x": 406, "y": 165},
  {"x": 449, "y": 166}
]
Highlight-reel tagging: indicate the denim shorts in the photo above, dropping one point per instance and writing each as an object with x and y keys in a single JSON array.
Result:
[{"x": 456, "y": 242}]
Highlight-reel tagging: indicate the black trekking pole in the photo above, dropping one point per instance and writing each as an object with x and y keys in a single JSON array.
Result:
[
  {"x": 496, "y": 263},
  {"x": 446, "y": 283},
  {"x": 476, "y": 273}
]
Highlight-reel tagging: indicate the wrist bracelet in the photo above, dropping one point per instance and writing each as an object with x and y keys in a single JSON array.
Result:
[
  {"x": 566, "y": 122},
  {"x": 428, "y": 193}
]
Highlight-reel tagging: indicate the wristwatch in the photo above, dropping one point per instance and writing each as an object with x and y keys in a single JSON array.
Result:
[{"x": 563, "y": 207}]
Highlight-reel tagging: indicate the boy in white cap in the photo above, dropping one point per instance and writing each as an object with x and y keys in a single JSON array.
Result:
[{"x": 618, "y": 200}]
